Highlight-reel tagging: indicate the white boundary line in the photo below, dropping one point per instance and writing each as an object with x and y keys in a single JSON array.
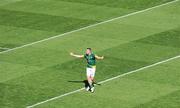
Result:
[
  {"x": 134, "y": 71},
  {"x": 119, "y": 76},
  {"x": 93, "y": 25}
]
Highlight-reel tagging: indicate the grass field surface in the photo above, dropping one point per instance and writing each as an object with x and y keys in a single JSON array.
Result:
[{"x": 45, "y": 70}]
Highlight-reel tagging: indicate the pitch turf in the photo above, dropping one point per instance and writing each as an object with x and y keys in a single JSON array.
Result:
[{"x": 41, "y": 71}]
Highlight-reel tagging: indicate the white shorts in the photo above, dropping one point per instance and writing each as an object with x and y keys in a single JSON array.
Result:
[{"x": 90, "y": 72}]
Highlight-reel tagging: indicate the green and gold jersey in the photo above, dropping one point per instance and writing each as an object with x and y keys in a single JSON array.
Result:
[{"x": 91, "y": 60}]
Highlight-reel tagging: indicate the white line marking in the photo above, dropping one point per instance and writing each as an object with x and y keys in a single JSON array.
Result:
[
  {"x": 119, "y": 76},
  {"x": 134, "y": 71},
  {"x": 4, "y": 48},
  {"x": 93, "y": 25}
]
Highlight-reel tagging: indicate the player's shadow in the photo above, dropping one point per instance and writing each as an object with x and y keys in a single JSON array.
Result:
[{"x": 86, "y": 84}]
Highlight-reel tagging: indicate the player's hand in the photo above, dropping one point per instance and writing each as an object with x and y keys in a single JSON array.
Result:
[
  {"x": 71, "y": 53},
  {"x": 102, "y": 57}
]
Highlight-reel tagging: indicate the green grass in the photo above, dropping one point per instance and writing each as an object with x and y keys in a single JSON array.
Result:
[
  {"x": 41, "y": 21},
  {"x": 129, "y": 4},
  {"x": 41, "y": 71},
  {"x": 169, "y": 38}
]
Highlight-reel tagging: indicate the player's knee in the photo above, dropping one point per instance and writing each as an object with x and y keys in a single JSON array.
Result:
[{"x": 88, "y": 78}]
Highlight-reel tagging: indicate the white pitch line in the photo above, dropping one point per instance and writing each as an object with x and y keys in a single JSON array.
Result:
[
  {"x": 107, "y": 80},
  {"x": 93, "y": 25},
  {"x": 134, "y": 71}
]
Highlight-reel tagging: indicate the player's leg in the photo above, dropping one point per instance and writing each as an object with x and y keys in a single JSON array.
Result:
[
  {"x": 88, "y": 74},
  {"x": 93, "y": 75},
  {"x": 93, "y": 70},
  {"x": 89, "y": 82}
]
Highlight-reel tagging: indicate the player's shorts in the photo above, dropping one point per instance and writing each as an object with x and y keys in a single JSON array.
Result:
[{"x": 90, "y": 72}]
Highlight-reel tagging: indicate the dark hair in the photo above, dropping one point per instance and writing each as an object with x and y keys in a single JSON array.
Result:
[{"x": 89, "y": 49}]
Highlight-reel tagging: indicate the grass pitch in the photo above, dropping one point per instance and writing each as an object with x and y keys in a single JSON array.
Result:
[{"x": 41, "y": 71}]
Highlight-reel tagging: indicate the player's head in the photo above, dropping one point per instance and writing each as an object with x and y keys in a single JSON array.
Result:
[{"x": 88, "y": 51}]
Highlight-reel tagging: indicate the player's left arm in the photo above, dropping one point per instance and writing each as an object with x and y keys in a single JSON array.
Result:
[
  {"x": 77, "y": 56},
  {"x": 99, "y": 57}
]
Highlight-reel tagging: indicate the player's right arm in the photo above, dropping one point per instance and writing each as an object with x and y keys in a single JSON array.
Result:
[{"x": 77, "y": 56}]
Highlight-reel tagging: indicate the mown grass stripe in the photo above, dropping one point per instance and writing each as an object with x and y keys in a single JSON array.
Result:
[
  {"x": 170, "y": 38},
  {"x": 4, "y": 48},
  {"x": 42, "y": 22},
  {"x": 128, "y": 4},
  {"x": 107, "y": 80},
  {"x": 93, "y": 25}
]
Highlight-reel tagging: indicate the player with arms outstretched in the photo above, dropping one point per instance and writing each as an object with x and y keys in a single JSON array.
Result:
[{"x": 91, "y": 66}]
